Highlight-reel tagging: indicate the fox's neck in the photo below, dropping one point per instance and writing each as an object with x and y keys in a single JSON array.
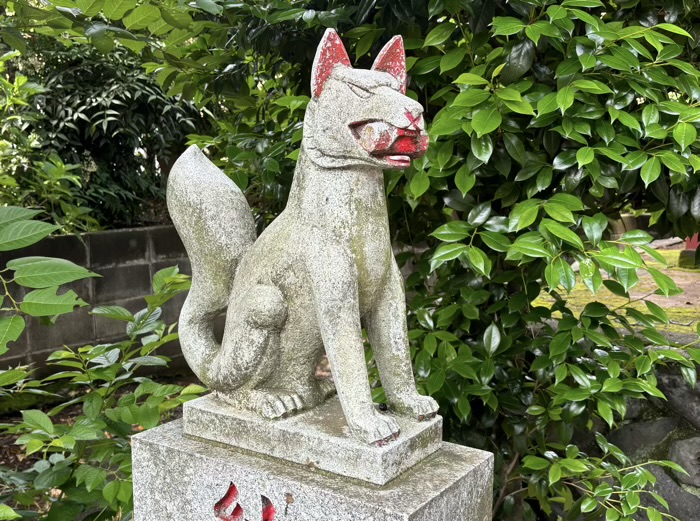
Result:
[{"x": 345, "y": 192}]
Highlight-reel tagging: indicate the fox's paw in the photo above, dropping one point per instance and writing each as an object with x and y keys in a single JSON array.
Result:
[
  {"x": 272, "y": 404},
  {"x": 375, "y": 428},
  {"x": 326, "y": 387},
  {"x": 416, "y": 406}
]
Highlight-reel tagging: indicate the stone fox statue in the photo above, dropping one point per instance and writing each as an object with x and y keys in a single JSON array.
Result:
[{"x": 322, "y": 270}]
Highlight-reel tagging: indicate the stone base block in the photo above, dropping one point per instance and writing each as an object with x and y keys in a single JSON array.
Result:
[
  {"x": 178, "y": 478},
  {"x": 319, "y": 437}
]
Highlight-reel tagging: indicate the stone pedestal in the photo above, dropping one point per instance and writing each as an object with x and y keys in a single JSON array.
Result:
[
  {"x": 191, "y": 470},
  {"x": 318, "y": 438}
]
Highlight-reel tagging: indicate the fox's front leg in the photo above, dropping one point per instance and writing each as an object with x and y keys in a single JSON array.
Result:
[
  {"x": 334, "y": 286},
  {"x": 387, "y": 332}
]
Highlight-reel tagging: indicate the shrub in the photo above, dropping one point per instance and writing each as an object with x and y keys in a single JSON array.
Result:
[{"x": 81, "y": 467}]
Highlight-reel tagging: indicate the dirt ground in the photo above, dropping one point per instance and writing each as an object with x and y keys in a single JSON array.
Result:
[{"x": 683, "y": 309}]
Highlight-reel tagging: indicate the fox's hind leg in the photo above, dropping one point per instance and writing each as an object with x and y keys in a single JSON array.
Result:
[{"x": 249, "y": 351}]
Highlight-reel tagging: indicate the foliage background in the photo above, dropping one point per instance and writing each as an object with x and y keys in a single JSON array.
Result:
[
  {"x": 86, "y": 136},
  {"x": 548, "y": 119}
]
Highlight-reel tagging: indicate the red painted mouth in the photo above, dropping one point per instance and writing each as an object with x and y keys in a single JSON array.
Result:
[{"x": 395, "y": 146}]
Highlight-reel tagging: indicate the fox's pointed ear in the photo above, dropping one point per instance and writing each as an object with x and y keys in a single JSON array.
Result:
[
  {"x": 330, "y": 53},
  {"x": 392, "y": 59}
]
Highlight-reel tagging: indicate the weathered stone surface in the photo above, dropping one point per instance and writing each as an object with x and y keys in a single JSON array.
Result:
[
  {"x": 319, "y": 437},
  {"x": 682, "y": 399},
  {"x": 687, "y": 454},
  {"x": 177, "y": 478},
  {"x": 639, "y": 440},
  {"x": 683, "y": 505},
  {"x": 322, "y": 270}
]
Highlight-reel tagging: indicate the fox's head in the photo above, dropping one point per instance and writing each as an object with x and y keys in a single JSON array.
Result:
[{"x": 362, "y": 117}]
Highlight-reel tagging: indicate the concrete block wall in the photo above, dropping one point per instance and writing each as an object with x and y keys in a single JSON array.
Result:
[{"x": 126, "y": 260}]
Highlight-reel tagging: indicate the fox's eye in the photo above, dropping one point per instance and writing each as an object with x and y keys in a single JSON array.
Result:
[{"x": 360, "y": 91}]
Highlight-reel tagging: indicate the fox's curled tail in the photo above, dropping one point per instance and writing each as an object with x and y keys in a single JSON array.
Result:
[{"x": 216, "y": 225}]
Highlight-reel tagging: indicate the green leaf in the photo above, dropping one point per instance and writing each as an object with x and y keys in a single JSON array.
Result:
[
  {"x": 38, "y": 420},
  {"x": 90, "y": 7},
  {"x": 530, "y": 246},
  {"x": 140, "y": 17},
  {"x": 636, "y": 237},
  {"x": 439, "y": 34},
  {"x": 673, "y": 29},
  {"x": 594, "y": 227},
  {"x": 651, "y": 170},
  {"x": 654, "y": 515},
  {"x": 482, "y": 147},
  {"x": 209, "y": 6},
  {"x": 468, "y": 78},
  {"x": 535, "y": 463},
  {"x": 584, "y": 156},
  {"x": 559, "y": 212},
  {"x": 615, "y": 258},
  {"x": 547, "y": 104},
  {"x": 45, "y": 302},
  {"x": 419, "y": 184},
  {"x": 571, "y": 202},
  {"x": 565, "y": 98},
  {"x": 657, "y": 311},
  {"x": 465, "y": 179},
  {"x": 666, "y": 284},
  {"x": 524, "y": 214},
  {"x": 496, "y": 241},
  {"x": 563, "y": 233},
  {"x": 479, "y": 261},
  {"x": 20, "y": 234},
  {"x": 453, "y": 231},
  {"x": 471, "y": 98},
  {"x": 492, "y": 338},
  {"x": 6, "y": 513},
  {"x": 93, "y": 477},
  {"x": 650, "y": 115},
  {"x": 92, "y": 406},
  {"x": 110, "y": 491},
  {"x": 554, "y": 474},
  {"x": 446, "y": 252},
  {"x": 116, "y": 9},
  {"x": 113, "y": 312},
  {"x": 520, "y": 107},
  {"x": 684, "y": 134},
  {"x": 12, "y": 376},
  {"x": 42, "y": 272},
  {"x": 11, "y": 329},
  {"x": 486, "y": 120},
  {"x": 452, "y": 59},
  {"x": 9, "y": 214},
  {"x": 506, "y": 25},
  {"x": 479, "y": 214}
]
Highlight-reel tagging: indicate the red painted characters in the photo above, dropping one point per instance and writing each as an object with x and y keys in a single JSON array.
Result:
[{"x": 230, "y": 499}]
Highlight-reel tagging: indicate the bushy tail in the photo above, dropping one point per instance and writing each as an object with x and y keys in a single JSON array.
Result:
[{"x": 216, "y": 225}]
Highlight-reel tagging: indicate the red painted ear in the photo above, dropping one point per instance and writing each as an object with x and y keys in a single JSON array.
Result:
[
  {"x": 329, "y": 54},
  {"x": 392, "y": 59}
]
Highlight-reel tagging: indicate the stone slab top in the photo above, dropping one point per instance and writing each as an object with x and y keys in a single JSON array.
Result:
[
  {"x": 452, "y": 481},
  {"x": 319, "y": 438}
]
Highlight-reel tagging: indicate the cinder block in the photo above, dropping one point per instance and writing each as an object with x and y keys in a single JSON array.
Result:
[
  {"x": 121, "y": 282},
  {"x": 115, "y": 247},
  {"x": 166, "y": 243},
  {"x": 75, "y": 328}
]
